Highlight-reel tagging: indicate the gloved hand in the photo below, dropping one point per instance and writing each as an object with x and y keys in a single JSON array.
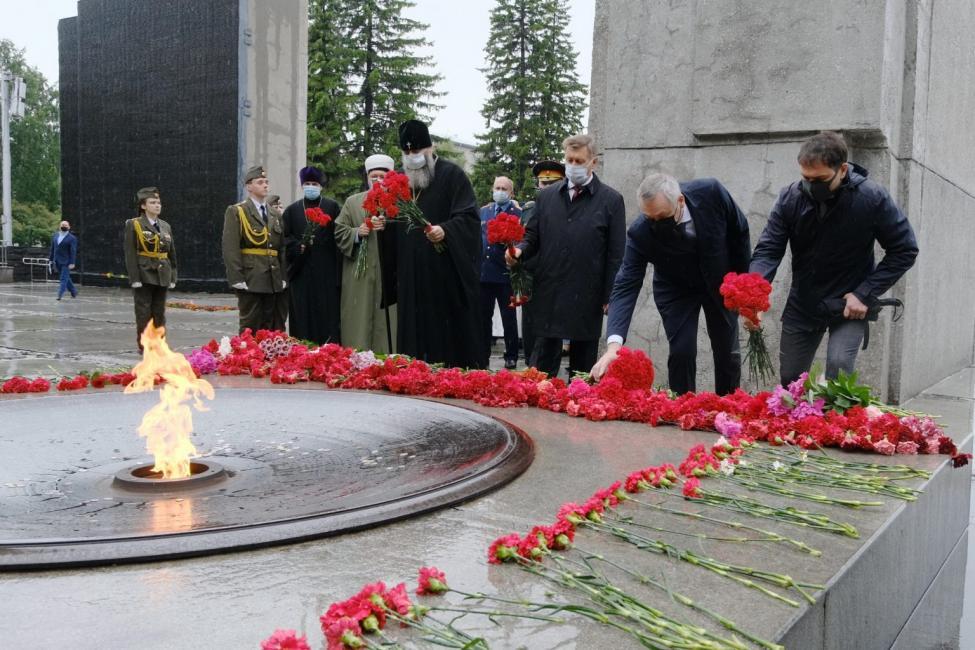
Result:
[
  {"x": 284, "y": 284},
  {"x": 240, "y": 285},
  {"x": 136, "y": 285},
  {"x": 172, "y": 285}
]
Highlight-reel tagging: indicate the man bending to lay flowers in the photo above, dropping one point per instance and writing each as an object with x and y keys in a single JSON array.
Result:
[{"x": 693, "y": 234}]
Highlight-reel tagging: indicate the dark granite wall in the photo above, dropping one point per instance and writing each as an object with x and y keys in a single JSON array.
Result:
[{"x": 149, "y": 94}]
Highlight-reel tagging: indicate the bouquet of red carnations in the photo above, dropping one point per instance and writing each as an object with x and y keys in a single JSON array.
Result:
[
  {"x": 316, "y": 218},
  {"x": 508, "y": 230},
  {"x": 748, "y": 294},
  {"x": 393, "y": 197}
]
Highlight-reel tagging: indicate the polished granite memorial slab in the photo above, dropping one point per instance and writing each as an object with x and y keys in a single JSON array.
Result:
[{"x": 908, "y": 557}]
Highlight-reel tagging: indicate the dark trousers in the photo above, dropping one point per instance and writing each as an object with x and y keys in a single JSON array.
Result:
[
  {"x": 680, "y": 313},
  {"x": 799, "y": 343},
  {"x": 150, "y": 303},
  {"x": 547, "y": 355},
  {"x": 66, "y": 283},
  {"x": 527, "y": 331},
  {"x": 262, "y": 311},
  {"x": 498, "y": 293}
]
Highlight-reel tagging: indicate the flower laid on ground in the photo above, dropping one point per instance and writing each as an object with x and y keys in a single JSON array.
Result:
[
  {"x": 748, "y": 294},
  {"x": 76, "y": 383},
  {"x": 507, "y": 229},
  {"x": 285, "y": 640},
  {"x": 317, "y": 218},
  {"x": 203, "y": 361},
  {"x": 192, "y": 306},
  {"x": 20, "y": 384},
  {"x": 431, "y": 581},
  {"x": 624, "y": 394}
]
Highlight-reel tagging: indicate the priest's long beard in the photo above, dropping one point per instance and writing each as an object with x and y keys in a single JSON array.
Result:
[{"x": 421, "y": 178}]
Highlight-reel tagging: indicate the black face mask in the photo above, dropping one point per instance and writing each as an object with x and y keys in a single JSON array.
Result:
[
  {"x": 64, "y": 230},
  {"x": 819, "y": 190},
  {"x": 663, "y": 227}
]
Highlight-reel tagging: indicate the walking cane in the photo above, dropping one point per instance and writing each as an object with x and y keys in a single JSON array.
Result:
[{"x": 382, "y": 283}]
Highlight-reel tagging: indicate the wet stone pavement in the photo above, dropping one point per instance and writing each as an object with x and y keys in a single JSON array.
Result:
[{"x": 175, "y": 603}]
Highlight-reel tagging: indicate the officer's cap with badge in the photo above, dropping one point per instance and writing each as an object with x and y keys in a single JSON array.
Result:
[
  {"x": 548, "y": 171},
  {"x": 146, "y": 193},
  {"x": 255, "y": 172}
]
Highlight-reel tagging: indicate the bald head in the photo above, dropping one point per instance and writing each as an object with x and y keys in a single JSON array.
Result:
[{"x": 504, "y": 184}]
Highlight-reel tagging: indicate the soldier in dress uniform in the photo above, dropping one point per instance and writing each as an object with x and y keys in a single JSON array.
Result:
[
  {"x": 253, "y": 253},
  {"x": 150, "y": 261}
]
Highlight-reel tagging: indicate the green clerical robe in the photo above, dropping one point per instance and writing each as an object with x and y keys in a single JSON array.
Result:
[{"x": 363, "y": 320}]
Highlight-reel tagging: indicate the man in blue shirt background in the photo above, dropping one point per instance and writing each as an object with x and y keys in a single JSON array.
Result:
[
  {"x": 495, "y": 283},
  {"x": 64, "y": 252}
]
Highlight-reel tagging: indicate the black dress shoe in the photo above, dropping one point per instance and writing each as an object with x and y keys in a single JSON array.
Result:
[{"x": 510, "y": 365}]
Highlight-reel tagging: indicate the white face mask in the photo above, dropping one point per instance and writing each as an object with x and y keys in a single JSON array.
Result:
[
  {"x": 414, "y": 160},
  {"x": 500, "y": 196},
  {"x": 577, "y": 174}
]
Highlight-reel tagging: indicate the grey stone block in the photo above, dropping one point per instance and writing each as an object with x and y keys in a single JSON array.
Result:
[{"x": 934, "y": 625}]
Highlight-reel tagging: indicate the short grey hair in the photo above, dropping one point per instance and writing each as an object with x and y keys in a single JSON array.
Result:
[{"x": 655, "y": 184}]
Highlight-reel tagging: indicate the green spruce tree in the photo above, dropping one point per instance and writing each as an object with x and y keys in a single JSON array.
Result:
[
  {"x": 364, "y": 78},
  {"x": 535, "y": 98}
]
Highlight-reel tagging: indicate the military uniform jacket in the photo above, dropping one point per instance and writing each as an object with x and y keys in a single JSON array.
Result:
[
  {"x": 150, "y": 255},
  {"x": 252, "y": 252}
]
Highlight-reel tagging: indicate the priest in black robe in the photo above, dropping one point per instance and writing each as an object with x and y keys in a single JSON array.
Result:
[
  {"x": 438, "y": 292},
  {"x": 315, "y": 270}
]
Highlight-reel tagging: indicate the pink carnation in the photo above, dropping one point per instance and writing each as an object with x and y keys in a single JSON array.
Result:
[
  {"x": 907, "y": 447},
  {"x": 727, "y": 426},
  {"x": 885, "y": 447},
  {"x": 285, "y": 640}
]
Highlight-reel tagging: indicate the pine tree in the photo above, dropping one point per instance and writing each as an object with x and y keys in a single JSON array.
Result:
[
  {"x": 535, "y": 100},
  {"x": 364, "y": 78}
]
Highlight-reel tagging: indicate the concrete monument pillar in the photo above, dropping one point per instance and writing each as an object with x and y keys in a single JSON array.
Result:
[{"x": 729, "y": 88}]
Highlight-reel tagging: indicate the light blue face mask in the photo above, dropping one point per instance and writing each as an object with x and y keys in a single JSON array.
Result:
[
  {"x": 578, "y": 174},
  {"x": 311, "y": 192},
  {"x": 500, "y": 196},
  {"x": 414, "y": 160}
]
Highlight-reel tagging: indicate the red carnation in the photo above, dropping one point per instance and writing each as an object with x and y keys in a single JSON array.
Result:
[
  {"x": 633, "y": 369},
  {"x": 748, "y": 294},
  {"x": 432, "y": 581},
  {"x": 691, "y": 488}
]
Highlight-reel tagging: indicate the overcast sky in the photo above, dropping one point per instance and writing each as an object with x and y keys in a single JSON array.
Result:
[{"x": 458, "y": 29}]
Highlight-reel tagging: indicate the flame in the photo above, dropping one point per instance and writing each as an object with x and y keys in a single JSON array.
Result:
[{"x": 167, "y": 426}]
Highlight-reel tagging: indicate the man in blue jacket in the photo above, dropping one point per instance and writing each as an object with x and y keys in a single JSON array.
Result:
[
  {"x": 64, "y": 252},
  {"x": 693, "y": 233},
  {"x": 495, "y": 283},
  {"x": 831, "y": 218}
]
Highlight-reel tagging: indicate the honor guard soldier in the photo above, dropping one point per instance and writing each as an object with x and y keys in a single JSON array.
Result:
[
  {"x": 150, "y": 260},
  {"x": 253, "y": 253}
]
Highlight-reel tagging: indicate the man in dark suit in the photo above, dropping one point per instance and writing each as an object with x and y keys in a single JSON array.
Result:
[
  {"x": 64, "y": 252},
  {"x": 546, "y": 172},
  {"x": 495, "y": 283},
  {"x": 150, "y": 261},
  {"x": 693, "y": 233},
  {"x": 254, "y": 255},
  {"x": 577, "y": 238}
]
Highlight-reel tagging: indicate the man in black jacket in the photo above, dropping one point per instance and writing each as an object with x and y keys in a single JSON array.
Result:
[
  {"x": 693, "y": 233},
  {"x": 831, "y": 219},
  {"x": 577, "y": 237}
]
